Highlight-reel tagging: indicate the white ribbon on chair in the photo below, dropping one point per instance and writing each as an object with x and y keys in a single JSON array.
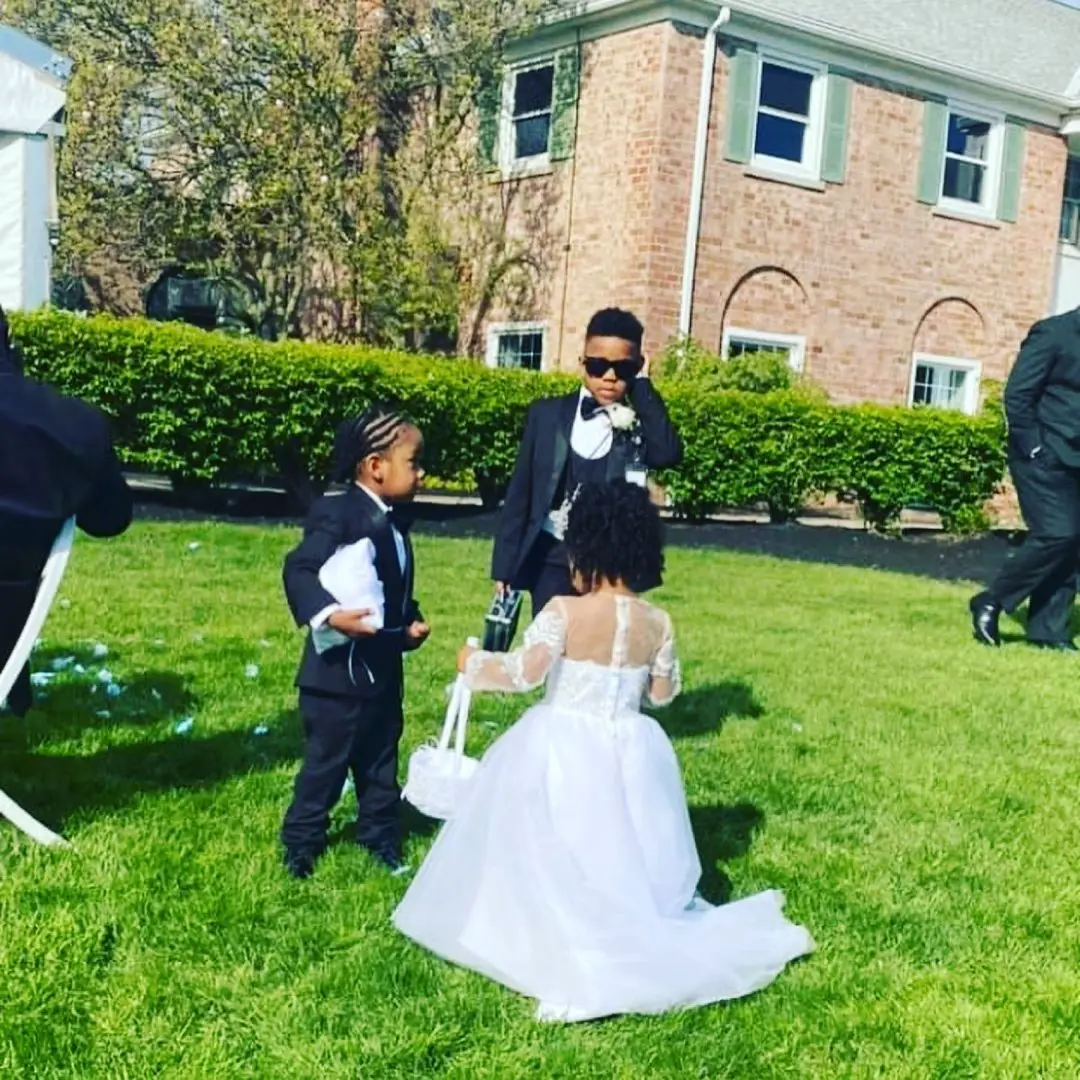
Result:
[{"x": 51, "y": 577}]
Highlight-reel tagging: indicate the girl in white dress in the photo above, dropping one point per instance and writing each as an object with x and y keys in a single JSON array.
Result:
[{"x": 569, "y": 872}]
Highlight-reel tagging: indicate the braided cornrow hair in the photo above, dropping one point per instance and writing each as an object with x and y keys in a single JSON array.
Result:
[{"x": 374, "y": 431}]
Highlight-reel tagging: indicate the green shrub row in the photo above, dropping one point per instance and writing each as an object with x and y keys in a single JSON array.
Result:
[{"x": 202, "y": 408}]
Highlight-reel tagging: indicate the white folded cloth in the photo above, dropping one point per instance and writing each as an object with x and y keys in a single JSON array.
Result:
[{"x": 350, "y": 577}]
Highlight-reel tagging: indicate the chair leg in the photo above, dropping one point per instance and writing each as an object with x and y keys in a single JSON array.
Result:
[{"x": 33, "y": 828}]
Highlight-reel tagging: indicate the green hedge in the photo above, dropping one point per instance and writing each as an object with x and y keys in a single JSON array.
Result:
[{"x": 202, "y": 407}]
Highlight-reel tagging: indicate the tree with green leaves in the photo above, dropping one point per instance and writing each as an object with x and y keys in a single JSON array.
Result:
[{"x": 316, "y": 158}]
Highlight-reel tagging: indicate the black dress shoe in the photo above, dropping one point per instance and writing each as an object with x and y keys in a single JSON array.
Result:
[
  {"x": 300, "y": 862},
  {"x": 389, "y": 858},
  {"x": 984, "y": 620},
  {"x": 1055, "y": 646}
]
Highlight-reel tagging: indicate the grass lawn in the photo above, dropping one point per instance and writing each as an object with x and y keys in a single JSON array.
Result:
[{"x": 842, "y": 739}]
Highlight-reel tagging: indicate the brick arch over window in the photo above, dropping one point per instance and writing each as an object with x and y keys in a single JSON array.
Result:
[
  {"x": 769, "y": 299},
  {"x": 951, "y": 327}
]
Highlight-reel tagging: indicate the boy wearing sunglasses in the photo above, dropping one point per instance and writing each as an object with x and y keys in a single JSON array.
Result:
[{"x": 615, "y": 427}]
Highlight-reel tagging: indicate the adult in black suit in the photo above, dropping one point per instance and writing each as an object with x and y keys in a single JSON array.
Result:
[
  {"x": 579, "y": 439},
  {"x": 351, "y": 694},
  {"x": 56, "y": 460},
  {"x": 1042, "y": 405}
]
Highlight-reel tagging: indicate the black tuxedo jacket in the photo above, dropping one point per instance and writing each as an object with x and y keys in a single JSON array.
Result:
[
  {"x": 1042, "y": 395},
  {"x": 366, "y": 667},
  {"x": 56, "y": 461},
  {"x": 541, "y": 463}
]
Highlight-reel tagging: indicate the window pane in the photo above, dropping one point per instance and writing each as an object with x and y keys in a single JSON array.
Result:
[
  {"x": 941, "y": 387},
  {"x": 521, "y": 350},
  {"x": 1072, "y": 178},
  {"x": 532, "y": 90},
  {"x": 785, "y": 90},
  {"x": 741, "y": 347},
  {"x": 963, "y": 180},
  {"x": 968, "y": 137},
  {"x": 780, "y": 138},
  {"x": 531, "y": 136}
]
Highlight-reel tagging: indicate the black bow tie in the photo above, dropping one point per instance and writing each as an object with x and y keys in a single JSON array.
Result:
[{"x": 589, "y": 408}]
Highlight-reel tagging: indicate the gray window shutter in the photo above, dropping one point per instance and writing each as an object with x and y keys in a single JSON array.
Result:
[
  {"x": 837, "y": 118},
  {"x": 489, "y": 113},
  {"x": 1012, "y": 172},
  {"x": 932, "y": 162},
  {"x": 742, "y": 91},
  {"x": 564, "y": 103}
]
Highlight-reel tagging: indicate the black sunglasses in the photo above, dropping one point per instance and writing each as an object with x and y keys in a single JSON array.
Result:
[{"x": 598, "y": 366}]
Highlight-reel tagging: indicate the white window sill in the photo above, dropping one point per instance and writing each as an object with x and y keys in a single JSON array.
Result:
[
  {"x": 762, "y": 172},
  {"x": 973, "y": 216},
  {"x": 524, "y": 170}
]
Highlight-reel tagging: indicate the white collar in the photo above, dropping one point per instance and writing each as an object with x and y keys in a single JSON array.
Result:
[{"x": 374, "y": 498}]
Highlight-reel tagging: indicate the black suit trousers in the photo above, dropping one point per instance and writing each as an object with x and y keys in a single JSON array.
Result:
[
  {"x": 343, "y": 734},
  {"x": 1045, "y": 567}
]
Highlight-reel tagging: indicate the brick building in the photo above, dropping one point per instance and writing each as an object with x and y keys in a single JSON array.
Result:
[{"x": 882, "y": 188}]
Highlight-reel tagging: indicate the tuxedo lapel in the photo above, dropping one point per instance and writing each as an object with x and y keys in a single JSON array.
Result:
[
  {"x": 568, "y": 407},
  {"x": 374, "y": 523}
]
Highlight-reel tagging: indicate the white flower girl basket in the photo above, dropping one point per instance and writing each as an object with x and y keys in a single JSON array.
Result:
[{"x": 438, "y": 775}]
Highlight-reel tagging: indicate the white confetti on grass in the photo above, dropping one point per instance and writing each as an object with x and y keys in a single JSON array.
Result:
[
  {"x": 251, "y": 671},
  {"x": 194, "y": 545},
  {"x": 100, "y": 651},
  {"x": 62, "y": 663},
  {"x": 262, "y": 729},
  {"x": 182, "y": 727}
]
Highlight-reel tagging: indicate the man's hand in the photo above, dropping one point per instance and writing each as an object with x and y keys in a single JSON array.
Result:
[
  {"x": 418, "y": 632},
  {"x": 463, "y": 657},
  {"x": 501, "y": 589},
  {"x": 353, "y": 623}
]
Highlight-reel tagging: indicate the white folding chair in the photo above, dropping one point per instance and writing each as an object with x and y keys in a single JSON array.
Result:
[{"x": 50, "y": 582}]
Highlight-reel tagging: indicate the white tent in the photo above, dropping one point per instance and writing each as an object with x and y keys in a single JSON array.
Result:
[{"x": 33, "y": 79}]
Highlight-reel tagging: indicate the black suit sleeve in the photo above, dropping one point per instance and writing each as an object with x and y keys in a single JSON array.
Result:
[
  {"x": 663, "y": 447},
  {"x": 1025, "y": 386},
  {"x": 514, "y": 518},
  {"x": 107, "y": 509},
  {"x": 322, "y": 537}
]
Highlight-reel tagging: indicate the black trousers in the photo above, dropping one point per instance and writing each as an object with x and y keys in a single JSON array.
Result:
[
  {"x": 1044, "y": 569},
  {"x": 343, "y": 734},
  {"x": 546, "y": 573}
]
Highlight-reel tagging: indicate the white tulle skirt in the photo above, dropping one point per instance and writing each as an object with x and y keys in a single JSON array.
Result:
[{"x": 569, "y": 875}]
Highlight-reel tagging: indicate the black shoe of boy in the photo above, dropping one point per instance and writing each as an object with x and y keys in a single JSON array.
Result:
[
  {"x": 390, "y": 858},
  {"x": 300, "y": 862}
]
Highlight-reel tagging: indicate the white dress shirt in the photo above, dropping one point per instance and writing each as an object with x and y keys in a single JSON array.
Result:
[
  {"x": 591, "y": 439},
  {"x": 399, "y": 543}
]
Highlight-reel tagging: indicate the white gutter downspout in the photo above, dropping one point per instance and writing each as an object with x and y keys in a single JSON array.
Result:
[{"x": 697, "y": 183}]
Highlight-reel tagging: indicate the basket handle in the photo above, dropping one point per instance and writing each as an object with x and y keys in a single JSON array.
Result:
[{"x": 457, "y": 713}]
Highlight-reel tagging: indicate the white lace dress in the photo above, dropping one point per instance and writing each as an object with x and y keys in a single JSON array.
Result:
[{"x": 569, "y": 872}]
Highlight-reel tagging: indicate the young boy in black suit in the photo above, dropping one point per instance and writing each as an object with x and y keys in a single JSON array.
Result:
[{"x": 351, "y": 695}]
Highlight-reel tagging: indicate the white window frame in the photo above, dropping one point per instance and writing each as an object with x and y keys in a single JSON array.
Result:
[
  {"x": 813, "y": 144},
  {"x": 794, "y": 343},
  {"x": 497, "y": 330},
  {"x": 508, "y": 163},
  {"x": 949, "y": 363},
  {"x": 988, "y": 208}
]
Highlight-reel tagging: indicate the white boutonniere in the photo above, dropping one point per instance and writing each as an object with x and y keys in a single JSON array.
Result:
[{"x": 622, "y": 417}]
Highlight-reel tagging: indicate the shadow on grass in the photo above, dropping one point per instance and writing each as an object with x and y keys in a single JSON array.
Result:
[
  {"x": 722, "y": 833},
  {"x": 705, "y": 710},
  {"x": 55, "y": 786}
]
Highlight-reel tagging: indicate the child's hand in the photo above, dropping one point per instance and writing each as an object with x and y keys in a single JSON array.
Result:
[
  {"x": 418, "y": 632},
  {"x": 353, "y": 623},
  {"x": 463, "y": 657}
]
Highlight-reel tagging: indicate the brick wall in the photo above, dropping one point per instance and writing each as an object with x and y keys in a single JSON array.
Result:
[{"x": 864, "y": 271}]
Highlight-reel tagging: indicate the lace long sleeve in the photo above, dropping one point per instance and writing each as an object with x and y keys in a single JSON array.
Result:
[
  {"x": 665, "y": 673},
  {"x": 526, "y": 668}
]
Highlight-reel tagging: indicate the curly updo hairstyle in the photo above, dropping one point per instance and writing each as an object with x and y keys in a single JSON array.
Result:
[{"x": 615, "y": 534}]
